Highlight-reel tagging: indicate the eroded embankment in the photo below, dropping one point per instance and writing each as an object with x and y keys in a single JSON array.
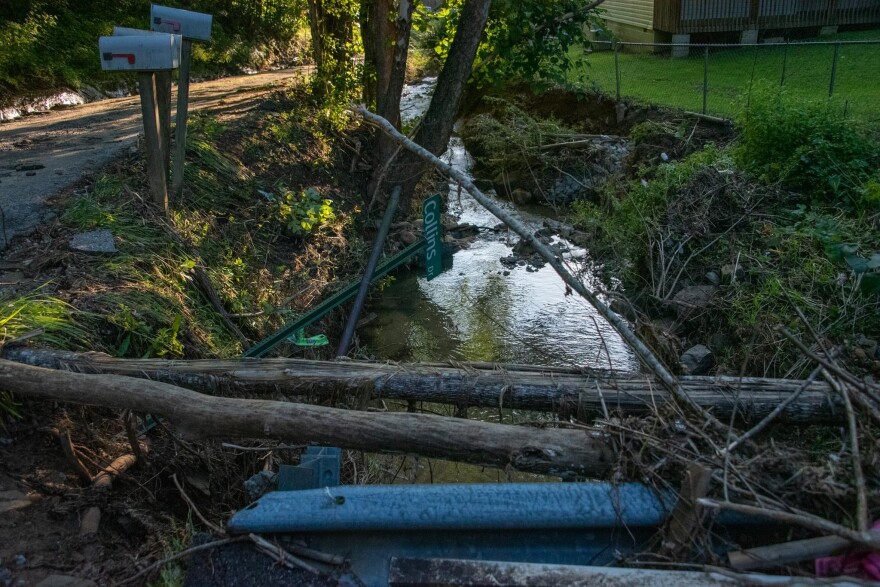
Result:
[{"x": 705, "y": 240}]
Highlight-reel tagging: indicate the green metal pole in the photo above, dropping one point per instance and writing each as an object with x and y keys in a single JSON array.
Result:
[
  {"x": 617, "y": 68},
  {"x": 834, "y": 70},
  {"x": 705, "y": 78}
]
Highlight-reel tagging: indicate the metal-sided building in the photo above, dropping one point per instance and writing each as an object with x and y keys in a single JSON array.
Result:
[{"x": 659, "y": 21}]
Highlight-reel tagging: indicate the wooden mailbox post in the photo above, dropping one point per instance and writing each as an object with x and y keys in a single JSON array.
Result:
[
  {"x": 191, "y": 26},
  {"x": 163, "y": 93},
  {"x": 147, "y": 54}
]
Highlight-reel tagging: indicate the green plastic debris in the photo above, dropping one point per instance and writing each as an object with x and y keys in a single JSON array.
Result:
[{"x": 299, "y": 339}]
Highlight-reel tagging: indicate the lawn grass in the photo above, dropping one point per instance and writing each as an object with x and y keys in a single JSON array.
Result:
[{"x": 678, "y": 83}]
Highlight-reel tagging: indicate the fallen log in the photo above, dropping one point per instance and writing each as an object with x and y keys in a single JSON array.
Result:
[
  {"x": 466, "y": 385},
  {"x": 549, "y": 451}
]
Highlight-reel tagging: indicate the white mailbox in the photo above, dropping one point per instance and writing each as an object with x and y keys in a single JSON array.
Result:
[
  {"x": 192, "y": 25},
  {"x": 121, "y": 31},
  {"x": 139, "y": 53}
]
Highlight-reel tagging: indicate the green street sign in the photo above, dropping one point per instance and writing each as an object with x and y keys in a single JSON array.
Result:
[{"x": 433, "y": 237}]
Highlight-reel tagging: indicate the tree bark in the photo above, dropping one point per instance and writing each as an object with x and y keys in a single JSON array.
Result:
[
  {"x": 395, "y": 59},
  {"x": 548, "y": 451},
  {"x": 436, "y": 125},
  {"x": 316, "y": 15},
  {"x": 472, "y": 385},
  {"x": 379, "y": 39}
]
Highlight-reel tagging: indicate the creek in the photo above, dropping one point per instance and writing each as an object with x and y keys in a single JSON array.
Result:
[{"x": 482, "y": 309}]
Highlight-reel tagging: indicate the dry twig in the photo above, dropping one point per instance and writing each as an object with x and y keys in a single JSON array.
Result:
[
  {"x": 182, "y": 554},
  {"x": 72, "y": 458},
  {"x": 804, "y": 520},
  {"x": 192, "y": 506},
  {"x": 285, "y": 558},
  {"x": 837, "y": 370},
  {"x": 131, "y": 433},
  {"x": 858, "y": 473},
  {"x": 768, "y": 419}
]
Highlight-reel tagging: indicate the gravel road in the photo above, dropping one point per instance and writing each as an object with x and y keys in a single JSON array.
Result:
[{"x": 41, "y": 155}]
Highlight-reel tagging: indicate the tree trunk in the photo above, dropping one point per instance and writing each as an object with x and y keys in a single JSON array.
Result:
[
  {"x": 332, "y": 35},
  {"x": 379, "y": 39},
  {"x": 394, "y": 61},
  {"x": 548, "y": 451},
  {"x": 473, "y": 385},
  {"x": 436, "y": 125},
  {"x": 316, "y": 15},
  {"x": 390, "y": 27}
]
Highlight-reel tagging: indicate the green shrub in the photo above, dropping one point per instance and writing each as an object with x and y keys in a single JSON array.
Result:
[
  {"x": 808, "y": 146},
  {"x": 305, "y": 212}
]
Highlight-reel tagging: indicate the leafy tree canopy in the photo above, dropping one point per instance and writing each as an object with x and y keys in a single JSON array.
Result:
[{"x": 524, "y": 39}]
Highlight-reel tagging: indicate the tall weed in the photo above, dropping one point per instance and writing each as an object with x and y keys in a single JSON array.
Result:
[{"x": 808, "y": 146}]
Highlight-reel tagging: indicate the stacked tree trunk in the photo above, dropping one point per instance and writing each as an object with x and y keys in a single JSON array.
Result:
[
  {"x": 584, "y": 393},
  {"x": 165, "y": 388}
]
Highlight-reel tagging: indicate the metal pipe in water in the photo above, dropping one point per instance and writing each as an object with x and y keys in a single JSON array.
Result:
[{"x": 348, "y": 334}]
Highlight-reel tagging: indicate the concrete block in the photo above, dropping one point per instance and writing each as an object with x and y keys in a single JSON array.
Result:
[
  {"x": 681, "y": 40},
  {"x": 828, "y": 30},
  {"x": 748, "y": 37}
]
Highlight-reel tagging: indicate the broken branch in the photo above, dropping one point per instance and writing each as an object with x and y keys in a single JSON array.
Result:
[
  {"x": 866, "y": 539},
  {"x": 192, "y": 506}
]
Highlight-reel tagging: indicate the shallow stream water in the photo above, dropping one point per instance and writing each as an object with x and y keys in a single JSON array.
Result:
[{"x": 482, "y": 310}]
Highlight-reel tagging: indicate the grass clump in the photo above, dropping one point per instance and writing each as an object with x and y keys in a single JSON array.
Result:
[
  {"x": 57, "y": 323},
  {"x": 49, "y": 320}
]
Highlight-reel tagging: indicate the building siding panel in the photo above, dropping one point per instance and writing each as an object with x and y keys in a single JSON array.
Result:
[{"x": 638, "y": 13}]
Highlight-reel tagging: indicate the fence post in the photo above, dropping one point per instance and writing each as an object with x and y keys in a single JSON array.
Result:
[
  {"x": 833, "y": 70},
  {"x": 752, "y": 82},
  {"x": 705, "y": 77},
  {"x": 784, "y": 64},
  {"x": 617, "y": 68}
]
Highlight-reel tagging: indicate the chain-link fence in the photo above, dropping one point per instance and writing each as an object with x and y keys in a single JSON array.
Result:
[{"x": 719, "y": 79}]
